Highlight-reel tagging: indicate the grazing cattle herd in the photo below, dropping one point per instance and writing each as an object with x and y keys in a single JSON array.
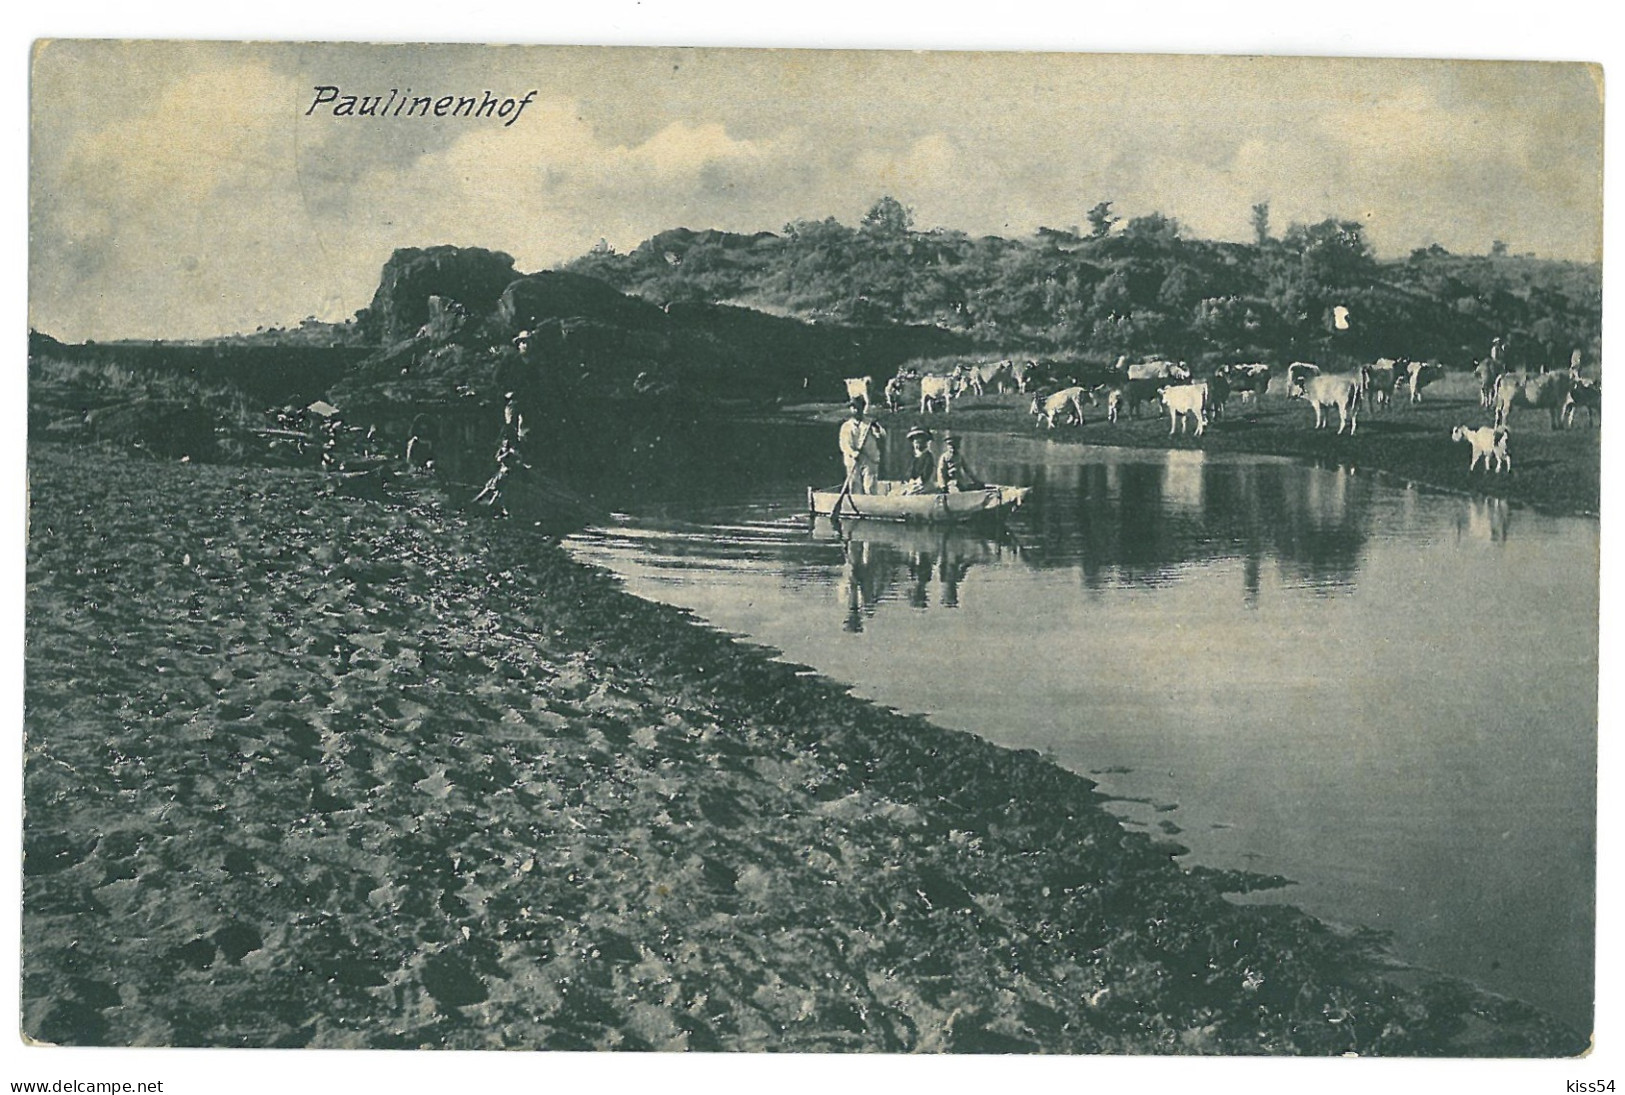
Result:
[{"x": 1059, "y": 392}]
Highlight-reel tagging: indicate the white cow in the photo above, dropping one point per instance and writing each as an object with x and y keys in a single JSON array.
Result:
[
  {"x": 1186, "y": 399},
  {"x": 1046, "y": 407},
  {"x": 1488, "y": 442},
  {"x": 1340, "y": 390},
  {"x": 935, "y": 388}
]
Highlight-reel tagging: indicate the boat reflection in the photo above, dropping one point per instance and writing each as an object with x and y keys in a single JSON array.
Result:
[{"x": 919, "y": 565}]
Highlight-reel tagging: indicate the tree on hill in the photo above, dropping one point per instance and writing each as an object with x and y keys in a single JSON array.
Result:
[
  {"x": 1261, "y": 223},
  {"x": 1101, "y": 220},
  {"x": 889, "y": 217},
  {"x": 1152, "y": 226}
]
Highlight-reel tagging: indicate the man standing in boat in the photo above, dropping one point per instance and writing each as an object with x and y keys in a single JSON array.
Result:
[{"x": 860, "y": 439}]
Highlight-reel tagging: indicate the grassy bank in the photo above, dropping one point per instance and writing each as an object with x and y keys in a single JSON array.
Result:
[
  {"x": 1554, "y": 470},
  {"x": 307, "y": 770}
]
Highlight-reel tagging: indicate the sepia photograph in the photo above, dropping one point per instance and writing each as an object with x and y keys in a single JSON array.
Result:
[{"x": 594, "y": 549}]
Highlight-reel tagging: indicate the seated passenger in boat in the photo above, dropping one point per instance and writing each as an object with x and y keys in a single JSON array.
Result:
[
  {"x": 952, "y": 474},
  {"x": 920, "y": 477}
]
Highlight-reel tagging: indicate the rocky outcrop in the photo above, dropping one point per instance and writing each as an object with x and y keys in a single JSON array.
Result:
[
  {"x": 472, "y": 276},
  {"x": 554, "y": 295}
]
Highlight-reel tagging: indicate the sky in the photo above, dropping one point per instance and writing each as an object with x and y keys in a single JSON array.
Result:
[{"x": 190, "y": 189}]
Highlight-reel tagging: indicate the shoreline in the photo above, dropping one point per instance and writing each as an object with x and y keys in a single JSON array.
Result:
[
  {"x": 1556, "y": 472},
  {"x": 448, "y": 787}
]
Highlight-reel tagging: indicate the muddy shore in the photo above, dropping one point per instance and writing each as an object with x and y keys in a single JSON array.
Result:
[{"x": 305, "y": 769}]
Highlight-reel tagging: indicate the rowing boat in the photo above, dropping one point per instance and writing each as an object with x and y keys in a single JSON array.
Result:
[{"x": 888, "y": 502}]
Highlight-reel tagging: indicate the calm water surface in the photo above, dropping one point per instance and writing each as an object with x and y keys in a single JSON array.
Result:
[{"x": 1386, "y": 695}]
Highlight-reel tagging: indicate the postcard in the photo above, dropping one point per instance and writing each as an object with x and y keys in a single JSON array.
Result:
[{"x": 610, "y": 549}]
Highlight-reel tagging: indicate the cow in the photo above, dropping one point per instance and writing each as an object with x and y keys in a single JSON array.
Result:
[
  {"x": 1046, "y": 407},
  {"x": 1488, "y": 372},
  {"x": 978, "y": 377},
  {"x": 1218, "y": 393},
  {"x": 1023, "y": 373},
  {"x": 935, "y": 388},
  {"x": 1246, "y": 380},
  {"x": 858, "y": 387},
  {"x": 1548, "y": 390},
  {"x": 1157, "y": 370},
  {"x": 1585, "y": 393},
  {"x": 1186, "y": 399},
  {"x": 1380, "y": 381},
  {"x": 1419, "y": 374},
  {"x": 1296, "y": 374},
  {"x": 1340, "y": 390},
  {"x": 1132, "y": 394},
  {"x": 1488, "y": 442}
]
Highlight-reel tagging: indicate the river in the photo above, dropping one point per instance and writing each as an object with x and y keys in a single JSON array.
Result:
[{"x": 1385, "y": 694}]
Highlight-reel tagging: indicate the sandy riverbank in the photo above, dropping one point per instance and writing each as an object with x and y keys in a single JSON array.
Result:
[{"x": 307, "y": 770}]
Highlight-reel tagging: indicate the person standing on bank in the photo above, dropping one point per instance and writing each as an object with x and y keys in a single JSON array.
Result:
[{"x": 860, "y": 439}]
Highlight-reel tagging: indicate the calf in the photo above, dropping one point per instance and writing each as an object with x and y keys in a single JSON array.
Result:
[
  {"x": 1333, "y": 390},
  {"x": 1046, "y": 407},
  {"x": 1488, "y": 442},
  {"x": 1186, "y": 399}
]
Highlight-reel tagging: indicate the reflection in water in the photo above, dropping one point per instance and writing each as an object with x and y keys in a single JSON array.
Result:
[
  {"x": 1484, "y": 520},
  {"x": 1144, "y": 521},
  {"x": 1247, "y": 648},
  {"x": 879, "y": 558}
]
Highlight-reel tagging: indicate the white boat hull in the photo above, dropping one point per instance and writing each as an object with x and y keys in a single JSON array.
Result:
[{"x": 889, "y": 503}]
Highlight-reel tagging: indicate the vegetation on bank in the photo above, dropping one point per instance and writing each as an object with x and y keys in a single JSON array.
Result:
[{"x": 1139, "y": 288}]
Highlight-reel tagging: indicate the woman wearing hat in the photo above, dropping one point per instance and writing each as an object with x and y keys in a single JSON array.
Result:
[{"x": 920, "y": 477}]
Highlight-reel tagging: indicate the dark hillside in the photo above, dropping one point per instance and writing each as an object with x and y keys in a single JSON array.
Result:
[{"x": 1144, "y": 289}]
